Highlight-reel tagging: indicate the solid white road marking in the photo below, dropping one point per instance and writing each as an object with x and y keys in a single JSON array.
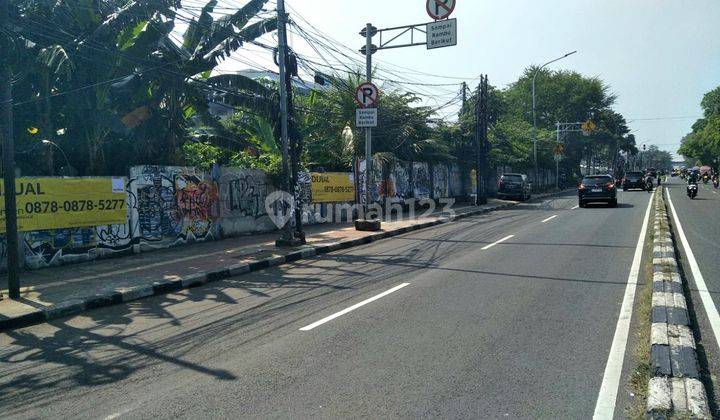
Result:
[
  {"x": 549, "y": 219},
  {"x": 497, "y": 242},
  {"x": 707, "y": 300},
  {"x": 576, "y": 207},
  {"x": 605, "y": 406},
  {"x": 352, "y": 308}
]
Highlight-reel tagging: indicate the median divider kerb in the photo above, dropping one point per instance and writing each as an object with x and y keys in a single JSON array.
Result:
[{"x": 675, "y": 388}]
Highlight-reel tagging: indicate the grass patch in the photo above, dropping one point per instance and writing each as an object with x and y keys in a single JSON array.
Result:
[{"x": 641, "y": 374}]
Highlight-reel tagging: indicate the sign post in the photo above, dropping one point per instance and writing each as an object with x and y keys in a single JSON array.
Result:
[
  {"x": 438, "y": 34},
  {"x": 366, "y": 96}
]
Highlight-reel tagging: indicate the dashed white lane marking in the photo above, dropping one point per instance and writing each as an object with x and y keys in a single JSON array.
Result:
[
  {"x": 119, "y": 414},
  {"x": 352, "y": 308},
  {"x": 497, "y": 242},
  {"x": 605, "y": 406},
  {"x": 549, "y": 219},
  {"x": 576, "y": 207},
  {"x": 707, "y": 300}
]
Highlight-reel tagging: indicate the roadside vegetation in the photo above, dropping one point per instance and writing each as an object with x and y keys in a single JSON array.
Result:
[
  {"x": 114, "y": 84},
  {"x": 702, "y": 145}
]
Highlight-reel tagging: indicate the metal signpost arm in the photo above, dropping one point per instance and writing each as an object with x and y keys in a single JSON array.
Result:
[{"x": 402, "y": 31}]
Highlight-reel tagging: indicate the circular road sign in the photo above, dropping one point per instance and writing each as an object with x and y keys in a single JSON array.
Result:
[
  {"x": 440, "y": 9},
  {"x": 366, "y": 95}
]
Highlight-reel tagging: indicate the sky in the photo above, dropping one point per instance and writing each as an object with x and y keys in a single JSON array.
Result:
[{"x": 658, "y": 56}]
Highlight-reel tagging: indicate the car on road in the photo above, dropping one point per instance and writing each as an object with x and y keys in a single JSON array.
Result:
[
  {"x": 597, "y": 188},
  {"x": 633, "y": 180},
  {"x": 514, "y": 185}
]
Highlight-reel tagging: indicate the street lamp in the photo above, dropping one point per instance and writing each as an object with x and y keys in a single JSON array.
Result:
[
  {"x": 533, "y": 109},
  {"x": 48, "y": 142}
]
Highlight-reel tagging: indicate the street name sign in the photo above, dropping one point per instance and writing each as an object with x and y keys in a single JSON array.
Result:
[
  {"x": 366, "y": 117},
  {"x": 366, "y": 95},
  {"x": 440, "y": 9},
  {"x": 441, "y": 34}
]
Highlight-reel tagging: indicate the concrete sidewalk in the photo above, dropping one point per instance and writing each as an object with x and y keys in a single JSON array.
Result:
[{"x": 62, "y": 291}]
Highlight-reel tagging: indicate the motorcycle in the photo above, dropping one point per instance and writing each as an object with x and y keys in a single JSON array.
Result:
[
  {"x": 705, "y": 179},
  {"x": 649, "y": 184},
  {"x": 715, "y": 183},
  {"x": 692, "y": 190}
]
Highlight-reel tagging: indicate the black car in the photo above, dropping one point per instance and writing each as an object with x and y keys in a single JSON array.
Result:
[
  {"x": 597, "y": 188},
  {"x": 514, "y": 185},
  {"x": 632, "y": 180}
]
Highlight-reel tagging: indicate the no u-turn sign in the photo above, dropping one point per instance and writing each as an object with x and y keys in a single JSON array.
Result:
[{"x": 440, "y": 9}]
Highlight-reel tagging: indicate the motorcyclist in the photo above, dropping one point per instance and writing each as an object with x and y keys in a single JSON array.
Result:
[
  {"x": 649, "y": 182},
  {"x": 692, "y": 178}
]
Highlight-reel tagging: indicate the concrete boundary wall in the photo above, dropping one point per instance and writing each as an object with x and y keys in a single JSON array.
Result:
[{"x": 173, "y": 206}]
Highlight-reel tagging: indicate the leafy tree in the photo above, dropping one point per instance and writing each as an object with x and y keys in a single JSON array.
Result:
[{"x": 703, "y": 143}]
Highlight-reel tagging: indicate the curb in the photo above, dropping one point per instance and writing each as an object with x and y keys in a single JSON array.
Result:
[
  {"x": 129, "y": 294},
  {"x": 675, "y": 389}
]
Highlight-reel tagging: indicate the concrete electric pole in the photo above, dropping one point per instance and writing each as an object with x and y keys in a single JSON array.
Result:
[
  {"x": 8, "y": 148},
  {"x": 287, "y": 238}
]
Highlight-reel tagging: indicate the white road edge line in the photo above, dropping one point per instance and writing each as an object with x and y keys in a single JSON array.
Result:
[
  {"x": 607, "y": 397},
  {"x": 352, "y": 308},
  {"x": 707, "y": 300},
  {"x": 549, "y": 219},
  {"x": 576, "y": 207},
  {"x": 497, "y": 242}
]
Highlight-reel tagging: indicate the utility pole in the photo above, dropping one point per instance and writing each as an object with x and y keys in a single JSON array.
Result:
[
  {"x": 464, "y": 95},
  {"x": 481, "y": 143},
  {"x": 485, "y": 110},
  {"x": 8, "y": 148},
  {"x": 557, "y": 160},
  {"x": 296, "y": 145},
  {"x": 287, "y": 238}
]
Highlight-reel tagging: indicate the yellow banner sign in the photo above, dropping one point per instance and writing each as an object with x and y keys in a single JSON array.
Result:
[
  {"x": 332, "y": 187},
  {"x": 54, "y": 203}
]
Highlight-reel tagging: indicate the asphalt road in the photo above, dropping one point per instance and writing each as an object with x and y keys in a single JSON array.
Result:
[
  {"x": 517, "y": 329},
  {"x": 700, "y": 221}
]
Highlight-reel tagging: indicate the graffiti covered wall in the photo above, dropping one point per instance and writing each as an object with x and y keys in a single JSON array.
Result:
[
  {"x": 173, "y": 205},
  {"x": 242, "y": 202},
  {"x": 169, "y": 206},
  {"x": 455, "y": 181},
  {"x": 440, "y": 184},
  {"x": 422, "y": 180}
]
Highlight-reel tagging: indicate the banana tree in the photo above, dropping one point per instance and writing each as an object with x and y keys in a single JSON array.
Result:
[
  {"x": 177, "y": 94},
  {"x": 132, "y": 90}
]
